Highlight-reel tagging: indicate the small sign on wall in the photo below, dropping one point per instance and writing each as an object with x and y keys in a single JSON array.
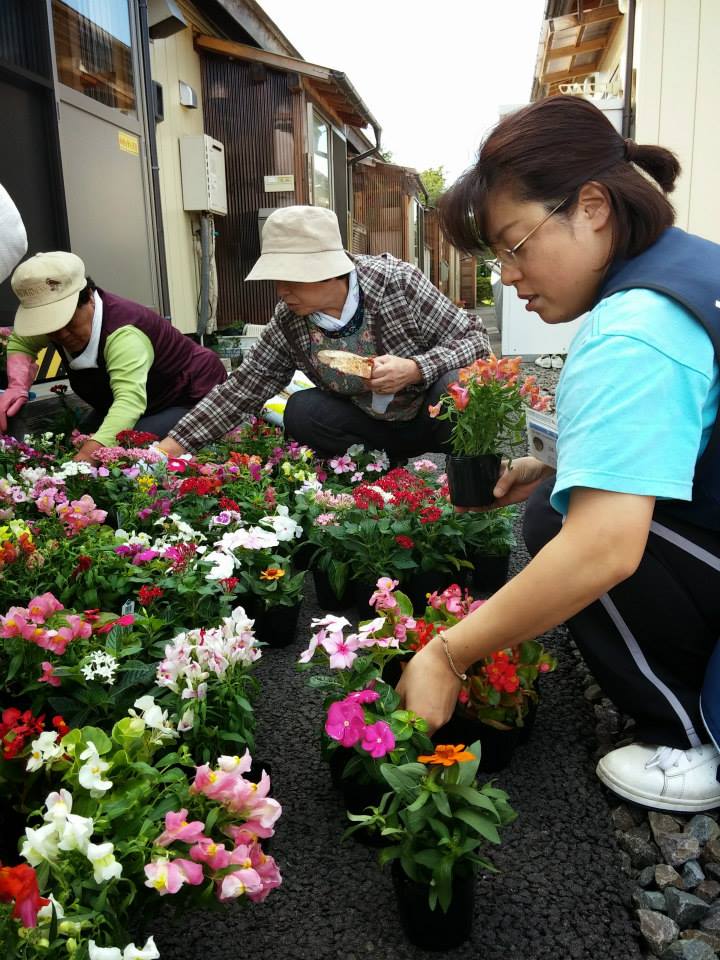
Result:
[
  {"x": 129, "y": 143},
  {"x": 283, "y": 183}
]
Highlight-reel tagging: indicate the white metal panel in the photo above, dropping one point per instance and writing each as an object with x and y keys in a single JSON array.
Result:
[
  {"x": 525, "y": 334},
  {"x": 704, "y": 212},
  {"x": 648, "y": 60},
  {"x": 174, "y": 59}
]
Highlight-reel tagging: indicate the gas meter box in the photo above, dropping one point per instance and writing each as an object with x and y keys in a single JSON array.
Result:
[{"x": 202, "y": 166}]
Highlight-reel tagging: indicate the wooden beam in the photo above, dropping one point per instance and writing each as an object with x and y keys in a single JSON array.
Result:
[
  {"x": 566, "y": 76},
  {"x": 597, "y": 15},
  {"x": 574, "y": 50},
  {"x": 242, "y": 51}
]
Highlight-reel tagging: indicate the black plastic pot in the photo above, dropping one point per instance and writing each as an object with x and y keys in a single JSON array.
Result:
[
  {"x": 489, "y": 573},
  {"x": 497, "y": 746},
  {"x": 419, "y": 584},
  {"x": 276, "y": 626},
  {"x": 326, "y": 597},
  {"x": 362, "y": 591},
  {"x": 472, "y": 479},
  {"x": 356, "y": 796},
  {"x": 433, "y": 929},
  {"x": 303, "y": 555}
]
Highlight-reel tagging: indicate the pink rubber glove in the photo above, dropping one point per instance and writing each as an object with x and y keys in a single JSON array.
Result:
[{"x": 21, "y": 371}]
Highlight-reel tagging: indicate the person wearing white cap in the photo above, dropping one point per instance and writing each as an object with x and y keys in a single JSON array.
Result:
[
  {"x": 394, "y": 343},
  {"x": 129, "y": 364}
]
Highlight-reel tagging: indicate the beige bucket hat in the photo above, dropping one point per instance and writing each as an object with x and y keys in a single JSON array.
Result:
[
  {"x": 47, "y": 286},
  {"x": 301, "y": 244}
]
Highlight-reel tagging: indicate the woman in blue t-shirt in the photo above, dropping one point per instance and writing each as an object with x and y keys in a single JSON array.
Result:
[{"x": 625, "y": 535}]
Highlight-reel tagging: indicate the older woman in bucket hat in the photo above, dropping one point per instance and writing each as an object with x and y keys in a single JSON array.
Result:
[
  {"x": 130, "y": 365},
  {"x": 367, "y": 306}
]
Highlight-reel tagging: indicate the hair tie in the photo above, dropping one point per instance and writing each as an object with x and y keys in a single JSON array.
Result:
[{"x": 630, "y": 150}]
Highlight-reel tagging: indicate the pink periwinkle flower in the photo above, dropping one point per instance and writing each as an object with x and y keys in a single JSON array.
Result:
[
  {"x": 342, "y": 651},
  {"x": 362, "y": 696},
  {"x": 378, "y": 739},
  {"x": 178, "y": 828},
  {"x": 345, "y": 722}
]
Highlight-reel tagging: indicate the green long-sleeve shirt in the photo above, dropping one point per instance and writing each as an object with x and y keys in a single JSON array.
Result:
[{"x": 128, "y": 357}]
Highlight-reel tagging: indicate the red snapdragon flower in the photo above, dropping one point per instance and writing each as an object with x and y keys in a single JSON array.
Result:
[{"x": 19, "y": 884}]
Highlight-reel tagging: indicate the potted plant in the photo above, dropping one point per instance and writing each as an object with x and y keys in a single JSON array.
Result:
[
  {"x": 489, "y": 539},
  {"x": 485, "y": 407},
  {"x": 436, "y": 819}
]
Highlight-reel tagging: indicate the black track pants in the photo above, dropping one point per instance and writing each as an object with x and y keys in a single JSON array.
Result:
[
  {"x": 330, "y": 424},
  {"x": 648, "y": 641}
]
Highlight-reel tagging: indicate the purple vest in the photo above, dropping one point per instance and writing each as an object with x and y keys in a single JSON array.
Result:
[{"x": 182, "y": 372}]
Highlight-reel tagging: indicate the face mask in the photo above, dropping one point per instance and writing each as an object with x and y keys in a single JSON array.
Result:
[{"x": 13, "y": 239}]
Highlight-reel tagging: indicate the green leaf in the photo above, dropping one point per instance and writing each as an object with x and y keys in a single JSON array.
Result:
[
  {"x": 441, "y": 802},
  {"x": 480, "y": 824}
]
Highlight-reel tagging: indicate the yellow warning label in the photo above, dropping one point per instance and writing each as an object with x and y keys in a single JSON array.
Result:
[{"x": 129, "y": 143}]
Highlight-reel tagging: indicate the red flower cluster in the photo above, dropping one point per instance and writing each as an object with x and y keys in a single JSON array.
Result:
[
  {"x": 423, "y": 633},
  {"x": 59, "y": 389},
  {"x": 202, "y": 486},
  {"x": 16, "y": 728},
  {"x": 181, "y": 554},
  {"x": 146, "y": 595},
  {"x": 84, "y": 563},
  {"x": 364, "y": 497},
  {"x": 229, "y": 583},
  {"x": 9, "y": 552},
  {"x": 227, "y": 504},
  {"x": 405, "y": 542},
  {"x": 430, "y": 514},
  {"x": 502, "y": 673},
  {"x": 135, "y": 438},
  {"x": 19, "y": 884}
]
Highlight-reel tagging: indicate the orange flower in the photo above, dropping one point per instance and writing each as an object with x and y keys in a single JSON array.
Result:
[
  {"x": 434, "y": 410},
  {"x": 448, "y": 755},
  {"x": 272, "y": 573}
]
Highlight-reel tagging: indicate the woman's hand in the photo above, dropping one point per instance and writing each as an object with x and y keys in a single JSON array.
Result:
[
  {"x": 392, "y": 374},
  {"x": 428, "y": 686},
  {"x": 515, "y": 483},
  {"x": 86, "y": 453}
]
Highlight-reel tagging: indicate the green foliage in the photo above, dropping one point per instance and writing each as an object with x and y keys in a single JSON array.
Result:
[{"x": 434, "y": 180}]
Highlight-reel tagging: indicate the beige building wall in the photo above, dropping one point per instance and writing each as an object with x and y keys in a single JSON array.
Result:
[
  {"x": 678, "y": 79},
  {"x": 172, "y": 60}
]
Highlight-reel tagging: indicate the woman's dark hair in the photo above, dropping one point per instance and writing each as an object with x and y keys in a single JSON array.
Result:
[
  {"x": 547, "y": 151},
  {"x": 84, "y": 295}
]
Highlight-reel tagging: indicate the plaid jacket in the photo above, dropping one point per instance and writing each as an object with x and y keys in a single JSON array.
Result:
[{"x": 407, "y": 315}]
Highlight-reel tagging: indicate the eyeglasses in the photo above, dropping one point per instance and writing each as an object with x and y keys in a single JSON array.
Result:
[{"x": 508, "y": 257}]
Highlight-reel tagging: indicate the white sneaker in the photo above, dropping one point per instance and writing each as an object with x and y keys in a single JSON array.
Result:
[
  {"x": 544, "y": 360},
  {"x": 664, "y": 777},
  {"x": 557, "y": 362}
]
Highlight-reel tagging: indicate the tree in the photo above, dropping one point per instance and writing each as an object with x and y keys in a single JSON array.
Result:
[
  {"x": 386, "y": 156},
  {"x": 434, "y": 180}
]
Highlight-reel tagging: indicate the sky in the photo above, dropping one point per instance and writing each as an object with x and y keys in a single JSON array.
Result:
[{"x": 433, "y": 74}]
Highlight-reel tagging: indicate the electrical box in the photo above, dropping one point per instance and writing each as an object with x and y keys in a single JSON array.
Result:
[{"x": 202, "y": 168}]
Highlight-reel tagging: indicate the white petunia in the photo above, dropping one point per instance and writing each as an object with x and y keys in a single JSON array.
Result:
[
  {"x": 223, "y": 565},
  {"x": 105, "y": 866}
]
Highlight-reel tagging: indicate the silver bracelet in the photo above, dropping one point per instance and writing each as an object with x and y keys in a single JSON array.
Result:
[{"x": 460, "y": 676}]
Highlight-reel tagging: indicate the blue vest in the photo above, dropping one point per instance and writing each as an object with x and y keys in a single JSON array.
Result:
[{"x": 687, "y": 269}]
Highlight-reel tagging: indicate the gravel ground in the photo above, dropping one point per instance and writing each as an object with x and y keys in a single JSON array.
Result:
[{"x": 561, "y": 890}]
